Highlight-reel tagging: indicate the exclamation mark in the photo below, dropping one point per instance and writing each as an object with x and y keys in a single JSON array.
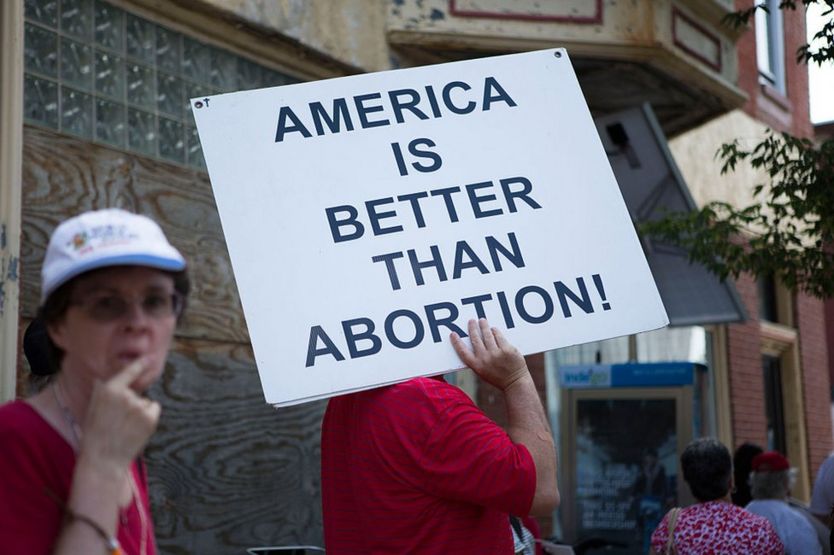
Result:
[{"x": 598, "y": 282}]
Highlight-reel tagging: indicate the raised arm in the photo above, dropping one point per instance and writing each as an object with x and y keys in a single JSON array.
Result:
[{"x": 500, "y": 364}]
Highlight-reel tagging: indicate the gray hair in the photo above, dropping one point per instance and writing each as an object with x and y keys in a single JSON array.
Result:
[{"x": 770, "y": 485}]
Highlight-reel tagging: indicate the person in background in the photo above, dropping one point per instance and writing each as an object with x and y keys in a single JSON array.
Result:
[
  {"x": 713, "y": 524},
  {"x": 524, "y": 539},
  {"x": 822, "y": 504},
  {"x": 71, "y": 480},
  {"x": 829, "y": 531},
  {"x": 650, "y": 492},
  {"x": 822, "y": 531},
  {"x": 770, "y": 483},
  {"x": 742, "y": 461},
  {"x": 822, "y": 496},
  {"x": 416, "y": 467}
]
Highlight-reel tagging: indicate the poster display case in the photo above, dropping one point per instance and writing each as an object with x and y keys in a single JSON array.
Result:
[{"x": 625, "y": 426}]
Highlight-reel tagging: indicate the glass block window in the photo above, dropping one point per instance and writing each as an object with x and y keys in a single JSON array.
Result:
[{"x": 104, "y": 74}]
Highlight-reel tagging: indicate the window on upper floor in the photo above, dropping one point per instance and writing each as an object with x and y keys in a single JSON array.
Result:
[
  {"x": 775, "y": 301},
  {"x": 106, "y": 75},
  {"x": 768, "y": 299},
  {"x": 770, "y": 44}
]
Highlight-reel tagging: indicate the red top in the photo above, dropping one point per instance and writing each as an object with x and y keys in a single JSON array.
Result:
[
  {"x": 417, "y": 468},
  {"x": 36, "y": 459},
  {"x": 718, "y": 527}
]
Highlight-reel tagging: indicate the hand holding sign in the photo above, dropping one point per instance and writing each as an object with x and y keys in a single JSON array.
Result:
[{"x": 494, "y": 359}]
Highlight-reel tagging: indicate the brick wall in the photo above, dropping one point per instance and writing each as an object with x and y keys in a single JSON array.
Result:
[
  {"x": 745, "y": 374},
  {"x": 796, "y": 74},
  {"x": 829, "y": 326},
  {"x": 747, "y": 404},
  {"x": 813, "y": 355},
  {"x": 785, "y": 112},
  {"x": 825, "y": 131},
  {"x": 789, "y": 112}
]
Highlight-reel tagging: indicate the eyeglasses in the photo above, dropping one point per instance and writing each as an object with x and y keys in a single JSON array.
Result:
[{"x": 107, "y": 307}]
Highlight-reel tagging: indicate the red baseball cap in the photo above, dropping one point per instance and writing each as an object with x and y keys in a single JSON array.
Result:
[{"x": 770, "y": 461}]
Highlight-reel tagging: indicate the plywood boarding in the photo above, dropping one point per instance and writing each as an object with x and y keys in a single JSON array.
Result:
[
  {"x": 226, "y": 470},
  {"x": 63, "y": 175}
]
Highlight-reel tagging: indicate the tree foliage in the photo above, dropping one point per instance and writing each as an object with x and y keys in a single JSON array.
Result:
[{"x": 789, "y": 232}]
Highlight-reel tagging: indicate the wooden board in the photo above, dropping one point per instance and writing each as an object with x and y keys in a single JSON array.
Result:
[
  {"x": 226, "y": 470},
  {"x": 63, "y": 176}
]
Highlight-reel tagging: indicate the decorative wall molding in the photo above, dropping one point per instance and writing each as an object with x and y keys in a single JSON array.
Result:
[
  {"x": 694, "y": 39},
  {"x": 573, "y": 11}
]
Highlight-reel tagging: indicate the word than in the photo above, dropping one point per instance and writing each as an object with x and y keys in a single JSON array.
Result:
[
  {"x": 407, "y": 329},
  {"x": 465, "y": 258}
]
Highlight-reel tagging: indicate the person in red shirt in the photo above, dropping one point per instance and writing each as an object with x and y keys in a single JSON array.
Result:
[
  {"x": 70, "y": 477},
  {"x": 416, "y": 467}
]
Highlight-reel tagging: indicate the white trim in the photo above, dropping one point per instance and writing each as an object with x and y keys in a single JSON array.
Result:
[
  {"x": 11, "y": 163},
  {"x": 770, "y": 45}
]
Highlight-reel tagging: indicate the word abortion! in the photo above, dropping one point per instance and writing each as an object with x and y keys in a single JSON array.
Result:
[{"x": 532, "y": 304}]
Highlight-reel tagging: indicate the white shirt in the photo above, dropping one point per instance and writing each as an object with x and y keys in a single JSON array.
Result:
[
  {"x": 822, "y": 498},
  {"x": 796, "y": 533}
]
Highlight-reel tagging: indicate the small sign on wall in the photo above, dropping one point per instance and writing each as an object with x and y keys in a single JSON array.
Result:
[{"x": 369, "y": 216}]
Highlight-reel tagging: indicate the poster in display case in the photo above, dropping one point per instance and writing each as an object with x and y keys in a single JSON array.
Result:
[{"x": 626, "y": 468}]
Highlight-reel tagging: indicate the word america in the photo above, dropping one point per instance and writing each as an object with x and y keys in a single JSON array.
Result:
[{"x": 377, "y": 110}]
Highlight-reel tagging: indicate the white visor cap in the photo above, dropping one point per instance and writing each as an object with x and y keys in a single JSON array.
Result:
[{"x": 102, "y": 238}]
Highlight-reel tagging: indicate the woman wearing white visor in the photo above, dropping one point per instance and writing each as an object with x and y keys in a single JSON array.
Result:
[{"x": 71, "y": 480}]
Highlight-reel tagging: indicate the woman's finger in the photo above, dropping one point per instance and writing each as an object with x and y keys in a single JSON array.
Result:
[
  {"x": 129, "y": 373},
  {"x": 152, "y": 411}
]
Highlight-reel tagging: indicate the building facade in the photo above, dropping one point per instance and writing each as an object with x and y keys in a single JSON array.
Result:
[{"x": 94, "y": 112}]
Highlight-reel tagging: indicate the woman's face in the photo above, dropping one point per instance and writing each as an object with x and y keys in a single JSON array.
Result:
[{"x": 115, "y": 316}]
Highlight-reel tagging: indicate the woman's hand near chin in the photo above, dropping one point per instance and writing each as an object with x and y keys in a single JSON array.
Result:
[{"x": 119, "y": 421}]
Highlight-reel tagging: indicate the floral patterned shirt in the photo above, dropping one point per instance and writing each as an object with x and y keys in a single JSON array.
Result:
[{"x": 717, "y": 527}]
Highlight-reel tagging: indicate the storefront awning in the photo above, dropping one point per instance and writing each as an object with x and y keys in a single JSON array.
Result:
[{"x": 652, "y": 185}]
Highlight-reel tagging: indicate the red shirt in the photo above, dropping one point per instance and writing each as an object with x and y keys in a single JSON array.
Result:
[
  {"x": 35, "y": 459},
  {"x": 417, "y": 468},
  {"x": 718, "y": 527}
]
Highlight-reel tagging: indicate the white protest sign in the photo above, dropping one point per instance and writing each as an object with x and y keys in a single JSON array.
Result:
[{"x": 368, "y": 216}]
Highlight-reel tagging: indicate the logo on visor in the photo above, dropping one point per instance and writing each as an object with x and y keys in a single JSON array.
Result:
[
  {"x": 101, "y": 236},
  {"x": 79, "y": 240}
]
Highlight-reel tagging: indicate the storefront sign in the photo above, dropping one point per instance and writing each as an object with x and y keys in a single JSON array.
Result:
[
  {"x": 656, "y": 374},
  {"x": 367, "y": 217}
]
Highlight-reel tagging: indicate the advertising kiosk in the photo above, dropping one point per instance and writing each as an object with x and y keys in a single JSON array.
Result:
[{"x": 625, "y": 425}]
